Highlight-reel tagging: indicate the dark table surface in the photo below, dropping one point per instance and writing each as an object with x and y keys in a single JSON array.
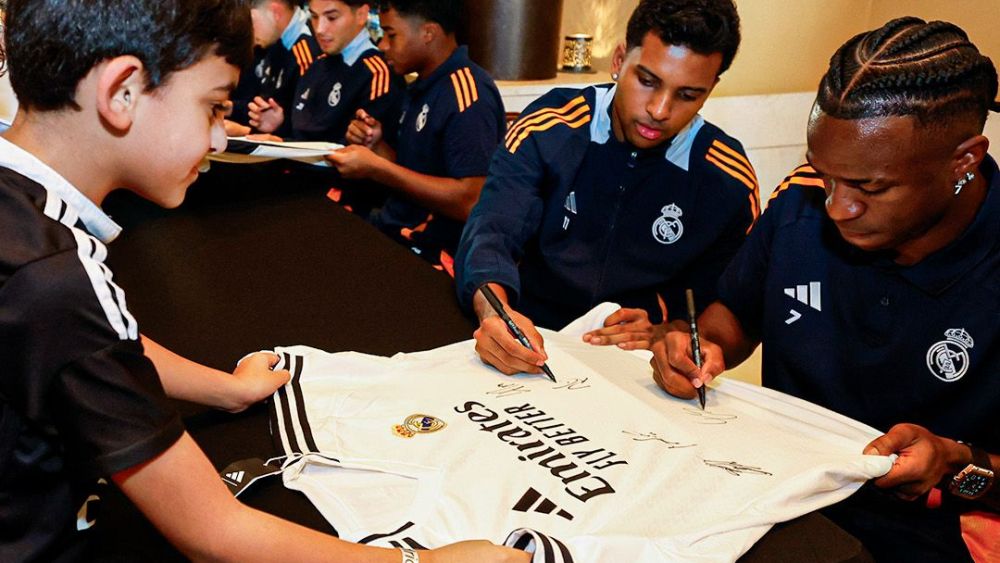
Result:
[{"x": 222, "y": 277}]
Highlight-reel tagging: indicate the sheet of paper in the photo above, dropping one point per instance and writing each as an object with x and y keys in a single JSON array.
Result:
[{"x": 241, "y": 150}]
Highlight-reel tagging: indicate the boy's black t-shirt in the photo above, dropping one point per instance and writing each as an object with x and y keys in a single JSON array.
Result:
[{"x": 78, "y": 398}]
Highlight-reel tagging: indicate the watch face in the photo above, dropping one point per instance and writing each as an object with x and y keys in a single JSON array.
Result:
[
  {"x": 973, "y": 485},
  {"x": 972, "y": 482}
]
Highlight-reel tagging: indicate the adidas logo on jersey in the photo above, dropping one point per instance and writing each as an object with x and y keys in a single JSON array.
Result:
[
  {"x": 569, "y": 206},
  {"x": 808, "y": 294},
  {"x": 236, "y": 477},
  {"x": 533, "y": 501}
]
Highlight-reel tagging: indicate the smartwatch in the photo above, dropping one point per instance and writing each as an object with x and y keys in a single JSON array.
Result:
[{"x": 977, "y": 477}]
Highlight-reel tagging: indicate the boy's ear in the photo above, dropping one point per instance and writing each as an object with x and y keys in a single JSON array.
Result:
[{"x": 120, "y": 81}]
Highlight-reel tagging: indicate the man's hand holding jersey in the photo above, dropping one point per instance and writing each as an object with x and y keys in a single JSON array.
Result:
[{"x": 629, "y": 329}]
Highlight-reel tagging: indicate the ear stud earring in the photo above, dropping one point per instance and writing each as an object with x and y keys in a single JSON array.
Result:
[{"x": 969, "y": 176}]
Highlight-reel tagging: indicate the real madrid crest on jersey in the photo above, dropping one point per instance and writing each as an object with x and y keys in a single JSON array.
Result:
[
  {"x": 334, "y": 98},
  {"x": 418, "y": 424},
  {"x": 668, "y": 229},
  {"x": 948, "y": 359},
  {"x": 422, "y": 117}
]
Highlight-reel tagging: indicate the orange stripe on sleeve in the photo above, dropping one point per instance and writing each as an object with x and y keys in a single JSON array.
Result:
[
  {"x": 541, "y": 120},
  {"x": 465, "y": 88},
  {"x": 735, "y": 159},
  {"x": 296, "y": 51},
  {"x": 796, "y": 180},
  {"x": 461, "y": 90},
  {"x": 548, "y": 125},
  {"x": 734, "y": 166},
  {"x": 374, "y": 84},
  {"x": 472, "y": 83},
  {"x": 754, "y": 210},
  {"x": 458, "y": 93},
  {"x": 386, "y": 74},
  {"x": 729, "y": 171},
  {"x": 541, "y": 114},
  {"x": 307, "y": 52},
  {"x": 736, "y": 155}
]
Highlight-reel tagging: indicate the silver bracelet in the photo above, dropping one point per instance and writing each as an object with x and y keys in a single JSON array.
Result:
[{"x": 409, "y": 556}]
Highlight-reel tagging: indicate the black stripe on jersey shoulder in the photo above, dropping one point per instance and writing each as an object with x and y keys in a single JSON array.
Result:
[
  {"x": 374, "y": 537},
  {"x": 547, "y": 552},
  {"x": 414, "y": 544},
  {"x": 285, "y": 423},
  {"x": 547, "y": 544},
  {"x": 567, "y": 557},
  {"x": 300, "y": 404}
]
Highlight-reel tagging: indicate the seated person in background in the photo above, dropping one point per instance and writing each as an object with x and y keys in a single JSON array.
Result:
[
  {"x": 141, "y": 84},
  {"x": 453, "y": 120},
  {"x": 614, "y": 193},
  {"x": 350, "y": 75},
  {"x": 284, "y": 51},
  {"x": 873, "y": 283}
]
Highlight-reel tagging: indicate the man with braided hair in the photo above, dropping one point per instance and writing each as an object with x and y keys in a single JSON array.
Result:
[{"x": 873, "y": 281}]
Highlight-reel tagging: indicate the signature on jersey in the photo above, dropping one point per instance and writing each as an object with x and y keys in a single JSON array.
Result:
[
  {"x": 736, "y": 468},
  {"x": 654, "y": 437}
]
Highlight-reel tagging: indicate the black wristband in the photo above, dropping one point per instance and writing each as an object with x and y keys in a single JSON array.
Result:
[{"x": 980, "y": 458}]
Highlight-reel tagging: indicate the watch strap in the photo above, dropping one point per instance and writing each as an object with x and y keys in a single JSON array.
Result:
[{"x": 980, "y": 458}]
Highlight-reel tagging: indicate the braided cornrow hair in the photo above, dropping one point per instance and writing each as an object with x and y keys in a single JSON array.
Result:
[{"x": 929, "y": 70}]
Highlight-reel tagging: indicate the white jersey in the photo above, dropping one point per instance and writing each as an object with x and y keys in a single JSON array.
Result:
[{"x": 426, "y": 449}]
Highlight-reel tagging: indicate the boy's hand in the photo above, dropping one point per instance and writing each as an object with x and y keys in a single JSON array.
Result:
[
  {"x": 629, "y": 329},
  {"x": 255, "y": 380},
  {"x": 234, "y": 129},
  {"x": 355, "y": 161},
  {"x": 364, "y": 130},
  {"x": 480, "y": 551},
  {"x": 266, "y": 115}
]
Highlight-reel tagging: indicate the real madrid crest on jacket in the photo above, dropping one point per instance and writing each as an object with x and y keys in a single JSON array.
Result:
[
  {"x": 878, "y": 342},
  {"x": 570, "y": 216},
  {"x": 452, "y": 122},
  {"x": 859, "y": 334},
  {"x": 336, "y": 86}
]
